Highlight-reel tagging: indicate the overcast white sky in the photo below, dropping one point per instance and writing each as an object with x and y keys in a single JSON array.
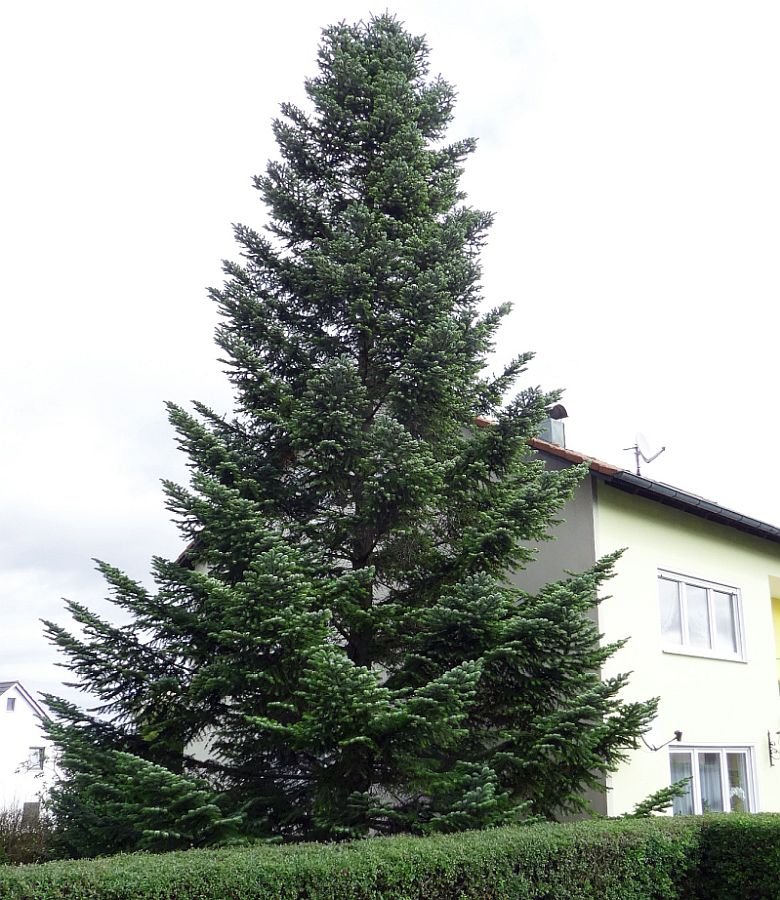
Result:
[{"x": 629, "y": 150}]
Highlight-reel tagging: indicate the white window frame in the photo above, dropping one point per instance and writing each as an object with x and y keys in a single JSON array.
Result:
[
  {"x": 35, "y": 758},
  {"x": 685, "y": 647},
  {"x": 10, "y": 704},
  {"x": 695, "y": 749}
]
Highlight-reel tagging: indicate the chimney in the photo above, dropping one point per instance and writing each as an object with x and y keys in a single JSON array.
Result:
[{"x": 552, "y": 429}]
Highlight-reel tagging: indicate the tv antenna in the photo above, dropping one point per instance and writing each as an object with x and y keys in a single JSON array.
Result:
[{"x": 642, "y": 450}]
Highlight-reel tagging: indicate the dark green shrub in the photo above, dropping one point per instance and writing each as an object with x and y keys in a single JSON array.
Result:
[
  {"x": 739, "y": 858},
  {"x": 23, "y": 840}
]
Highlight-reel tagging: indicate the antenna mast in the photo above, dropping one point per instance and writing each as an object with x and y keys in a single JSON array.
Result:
[{"x": 642, "y": 451}]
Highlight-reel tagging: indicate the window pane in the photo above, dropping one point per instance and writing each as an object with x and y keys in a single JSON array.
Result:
[
  {"x": 736, "y": 763},
  {"x": 671, "y": 623},
  {"x": 680, "y": 764},
  {"x": 709, "y": 779},
  {"x": 698, "y": 616},
  {"x": 725, "y": 622}
]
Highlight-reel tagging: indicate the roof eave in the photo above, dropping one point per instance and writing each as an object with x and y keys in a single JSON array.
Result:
[
  {"x": 690, "y": 503},
  {"x": 29, "y": 699},
  {"x": 626, "y": 481}
]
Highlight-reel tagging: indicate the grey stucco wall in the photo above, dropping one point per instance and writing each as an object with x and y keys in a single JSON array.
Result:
[{"x": 573, "y": 547}]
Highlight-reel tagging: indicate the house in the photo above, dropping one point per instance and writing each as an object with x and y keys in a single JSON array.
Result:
[
  {"x": 697, "y": 592},
  {"x": 26, "y": 764}
]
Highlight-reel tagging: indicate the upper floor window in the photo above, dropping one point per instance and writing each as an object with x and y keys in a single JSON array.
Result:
[
  {"x": 10, "y": 704},
  {"x": 36, "y": 758},
  {"x": 700, "y": 617}
]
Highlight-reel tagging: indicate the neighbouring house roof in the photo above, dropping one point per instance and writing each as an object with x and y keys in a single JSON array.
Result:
[
  {"x": 627, "y": 481},
  {"x": 6, "y": 686}
]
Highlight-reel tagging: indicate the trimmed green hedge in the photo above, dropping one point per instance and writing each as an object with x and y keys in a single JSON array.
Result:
[
  {"x": 725, "y": 858},
  {"x": 739, "y": 857}
]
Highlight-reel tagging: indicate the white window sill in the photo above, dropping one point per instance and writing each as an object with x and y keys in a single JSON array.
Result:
[{"x": 703, "y": 654}]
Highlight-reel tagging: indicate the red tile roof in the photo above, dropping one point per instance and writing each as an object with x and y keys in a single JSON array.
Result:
[{"x": 571, "y": 456}]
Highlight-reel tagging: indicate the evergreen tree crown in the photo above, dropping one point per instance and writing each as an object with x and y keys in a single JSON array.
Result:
[{"x": 342, "y": 633}]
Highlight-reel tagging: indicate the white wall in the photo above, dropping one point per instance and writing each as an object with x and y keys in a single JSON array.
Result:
[
  {"x": 19, "y": 731},
  {"x": 712, "y": 701}
]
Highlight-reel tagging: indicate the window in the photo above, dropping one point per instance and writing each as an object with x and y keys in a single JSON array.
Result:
[
  {"x": 700, "y": 617},
  {"x": 10, "y": 704},
  {"x": 720, "y": 779},
  {"x": 35, "y": 758}
]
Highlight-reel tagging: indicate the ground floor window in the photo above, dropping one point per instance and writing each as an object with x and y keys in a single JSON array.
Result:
[{"x": 720, "y": 779}]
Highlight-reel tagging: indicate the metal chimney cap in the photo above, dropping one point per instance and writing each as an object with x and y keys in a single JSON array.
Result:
[{"x": 557, "y": 412}]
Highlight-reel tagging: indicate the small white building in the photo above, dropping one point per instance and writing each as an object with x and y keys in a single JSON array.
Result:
[{"x": 26, "y": 761}]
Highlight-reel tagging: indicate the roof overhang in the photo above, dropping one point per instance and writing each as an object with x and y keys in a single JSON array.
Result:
[
  {"x": 690, "y": 503},
  {"x": 27, "y": 696},
  {"x": 662, "y": 493}
]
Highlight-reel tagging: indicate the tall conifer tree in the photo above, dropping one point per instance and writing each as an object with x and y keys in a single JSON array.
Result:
[{"x": 338, "y": 652}]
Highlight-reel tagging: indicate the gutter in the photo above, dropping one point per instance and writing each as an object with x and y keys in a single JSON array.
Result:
[
  {"x": 690, "y": 503},
  {"x": 626, "y": 481}
]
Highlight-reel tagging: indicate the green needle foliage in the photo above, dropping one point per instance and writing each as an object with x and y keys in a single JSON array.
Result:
[
  {"x": 339, "y": 653},
  {"x": 659, "y": 801}
]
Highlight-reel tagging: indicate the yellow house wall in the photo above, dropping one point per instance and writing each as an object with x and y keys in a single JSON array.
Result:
[
  {"x": 776, "y": 617},
  {"x": 712, "y": 701}
]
